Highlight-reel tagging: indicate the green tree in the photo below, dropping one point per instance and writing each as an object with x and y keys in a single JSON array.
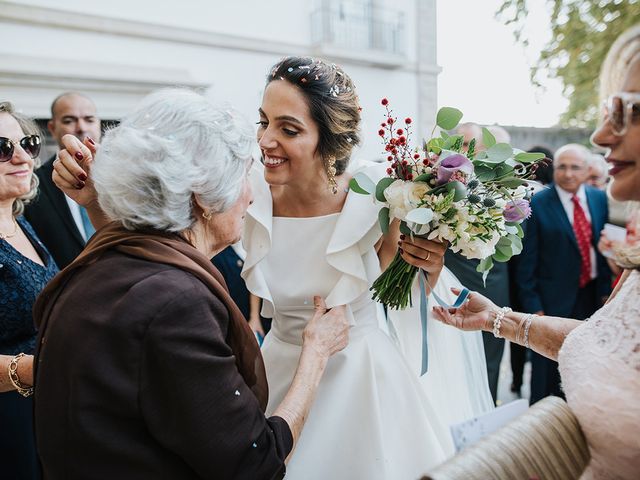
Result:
[{"x": 582, "y": 32}]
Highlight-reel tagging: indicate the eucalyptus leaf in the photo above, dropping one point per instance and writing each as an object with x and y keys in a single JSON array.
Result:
[
  {"x": 459, "y": 188},
  {"x": 425, "y": 177},
  {"x": 450, "y": 141},
  {"x": 525, "y": 157},
  {"x": 421, "y": 216},
  {"x": 484, "y": 173},
  {"x": 485, "y": 265},
  {"x": 362, "y": 183},
  {"x": 448, "y": 118},
  {"x": 505, "y": 251},
  {"x": 444, "y": 134},
  {"x": 500, "y": 257},
  {"x": 500, "y": 152},
  {"x": 487, "y": 138},
  {"x": 380, "y": 188},
  {"x": 512, "y": 182},
  {"x": 383, "y": 219},
  {"x": 404, "y": 229}
]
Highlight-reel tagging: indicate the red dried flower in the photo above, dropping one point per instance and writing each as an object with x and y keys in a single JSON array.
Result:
[
  {"x": 410, "y": 177},
  {"x": 390, "y": 121},
  {"x": 389, "y": 158},
  {"x": 399, "y": 131},
  {"x": 384, "y": 102},
  {"x": 394, "y": 151},
  {"x": 426, "y": 161},
  {"x": 383, "y": 124},
  {"x": 408, "y": 120},
  {"x": 389, "y": 171},
  {"x": 416, "y": 156},
  {"x": 405, "y": 163},
  {"x": 381, "y": 132}
]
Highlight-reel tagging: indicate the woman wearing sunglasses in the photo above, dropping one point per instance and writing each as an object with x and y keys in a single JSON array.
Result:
[
  {"x": 25, "y": 268},
  {"x": 599, "y": 360}
]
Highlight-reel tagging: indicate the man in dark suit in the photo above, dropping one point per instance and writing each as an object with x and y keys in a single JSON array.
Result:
[
  {"x": 560, "y": 271},
  {"x": 61, "y": 224}
]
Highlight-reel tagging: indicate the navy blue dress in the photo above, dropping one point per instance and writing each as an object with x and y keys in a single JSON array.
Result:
[{"x": 21, "y": 281}]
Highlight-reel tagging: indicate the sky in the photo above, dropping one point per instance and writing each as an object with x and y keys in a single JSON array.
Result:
[{"x": 485, "y": 73}]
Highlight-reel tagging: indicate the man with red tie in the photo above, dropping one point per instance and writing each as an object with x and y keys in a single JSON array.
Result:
[{"x": 560, "y": 271}]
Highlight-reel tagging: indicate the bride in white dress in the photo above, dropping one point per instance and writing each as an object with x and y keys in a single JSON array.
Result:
[{"x": 306, "y": 235}]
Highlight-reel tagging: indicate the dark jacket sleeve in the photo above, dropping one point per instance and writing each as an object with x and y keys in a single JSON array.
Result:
[{"x": 193, "y": 398}]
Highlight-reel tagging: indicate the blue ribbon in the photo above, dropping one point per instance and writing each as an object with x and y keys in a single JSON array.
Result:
[{"x": 424, "y": 303}]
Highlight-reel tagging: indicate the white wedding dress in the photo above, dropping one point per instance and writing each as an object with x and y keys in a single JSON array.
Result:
[{"x": 372, "y": 417}]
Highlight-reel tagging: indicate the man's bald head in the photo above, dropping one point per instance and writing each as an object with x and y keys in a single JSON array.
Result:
[{"x": 74, "y": 113}]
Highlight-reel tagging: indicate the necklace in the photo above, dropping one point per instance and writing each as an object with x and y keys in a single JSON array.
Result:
[{"x": 4, "y": 236}]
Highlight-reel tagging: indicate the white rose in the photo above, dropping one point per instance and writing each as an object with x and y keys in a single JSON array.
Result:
[{"x": 403, "y": 197}]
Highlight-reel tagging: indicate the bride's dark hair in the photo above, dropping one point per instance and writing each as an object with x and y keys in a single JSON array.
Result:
[{"x": 332, "y": 101}]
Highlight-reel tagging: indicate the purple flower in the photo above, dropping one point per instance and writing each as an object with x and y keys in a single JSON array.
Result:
[
  {"x": 516, "y": 211},
  {"x": 452, "y": 164}
]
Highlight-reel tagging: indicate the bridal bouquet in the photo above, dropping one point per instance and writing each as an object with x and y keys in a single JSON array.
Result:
[{"x": 475, "y": 199}]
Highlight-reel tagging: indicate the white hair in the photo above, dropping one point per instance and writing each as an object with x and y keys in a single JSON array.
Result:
[
  {"x": 582, "y": 151},
  {"x": 174, "y": 145}
]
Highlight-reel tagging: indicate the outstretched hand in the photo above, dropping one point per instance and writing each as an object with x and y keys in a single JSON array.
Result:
[
  {"x": 72, "y": 169},
  {"x": 474, "y": 314}
]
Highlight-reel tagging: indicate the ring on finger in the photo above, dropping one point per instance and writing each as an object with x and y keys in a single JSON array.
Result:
[{"x": 427, "y": 257}]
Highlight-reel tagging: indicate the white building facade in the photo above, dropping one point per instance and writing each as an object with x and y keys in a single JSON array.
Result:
[{"x": 117, "y": 51}]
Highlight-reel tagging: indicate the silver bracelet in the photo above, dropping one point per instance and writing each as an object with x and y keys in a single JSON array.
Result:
[
  {"x": 497, "y": 321},
  {"x": 527, "y": 326}
]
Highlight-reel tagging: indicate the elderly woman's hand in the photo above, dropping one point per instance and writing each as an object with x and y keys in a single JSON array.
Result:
[
  {"x": 425, "y": 254},
  {"x": 328, "y": 331},
  {"x": 477, "y": 313},
  {"x": 72, "y": 167}
]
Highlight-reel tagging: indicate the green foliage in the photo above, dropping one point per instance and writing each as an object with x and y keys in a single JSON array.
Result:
[
  {"x": 448, "y": 118},
  {"x": 380, "y": 188},
  {"x": 360, "y": 183},
  {"x": 471, "y": 149},
  {"x": 525, "y": 157},
  {"x": 487, "y": 138},
  {"x": 383, "y": 218},
  {"x": 582, "y": 31}
]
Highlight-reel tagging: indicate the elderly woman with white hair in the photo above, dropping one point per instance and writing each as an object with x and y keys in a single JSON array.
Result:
[{"x": 145, "y": 367}]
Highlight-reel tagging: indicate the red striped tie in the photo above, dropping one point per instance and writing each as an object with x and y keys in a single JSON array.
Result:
[{"x": 582, "y": 229}]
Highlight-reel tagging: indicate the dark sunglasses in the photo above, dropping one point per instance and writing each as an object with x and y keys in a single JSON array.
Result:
[{"x": 30, "y": 144}]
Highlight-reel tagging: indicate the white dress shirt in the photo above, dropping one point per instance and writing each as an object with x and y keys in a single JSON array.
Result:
[
  {"x": 75, "y": 213},
  {"x": 567, "y": 204}
]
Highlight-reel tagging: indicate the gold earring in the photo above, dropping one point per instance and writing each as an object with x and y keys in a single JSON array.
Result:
[
  {"x": 207, "y": 216},
  {"x": 331, "y": 173}
]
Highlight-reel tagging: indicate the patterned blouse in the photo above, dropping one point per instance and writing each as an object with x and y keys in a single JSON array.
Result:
[{"x": 21, "y": 281}]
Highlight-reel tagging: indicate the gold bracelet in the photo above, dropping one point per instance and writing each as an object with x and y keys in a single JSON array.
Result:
[{"x": 15, "y": 379}]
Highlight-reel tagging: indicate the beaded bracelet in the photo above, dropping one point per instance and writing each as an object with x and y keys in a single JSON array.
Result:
[
  {"x": 527, "y": 326},
  {"x": 497, "y": 321},
  {"x": 15, "y": 379}
]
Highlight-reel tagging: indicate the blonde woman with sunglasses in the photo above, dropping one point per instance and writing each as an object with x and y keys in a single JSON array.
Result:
[
  {"x": 25, "y": 268},
  {"x": 599, "y": 359}
]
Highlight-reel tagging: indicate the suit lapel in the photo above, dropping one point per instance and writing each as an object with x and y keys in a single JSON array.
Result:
[
  {"x": 59, "y": 202},
  {"x": 558, "y": 210}
]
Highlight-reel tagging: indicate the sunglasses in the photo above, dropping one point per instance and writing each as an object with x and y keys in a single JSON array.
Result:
[
  {"x": 30, "y": 144},
  {"x": 621, "y": 109}
]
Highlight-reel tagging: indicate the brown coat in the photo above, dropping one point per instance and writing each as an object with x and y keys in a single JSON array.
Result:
[{"x": 135, "y": 379}]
